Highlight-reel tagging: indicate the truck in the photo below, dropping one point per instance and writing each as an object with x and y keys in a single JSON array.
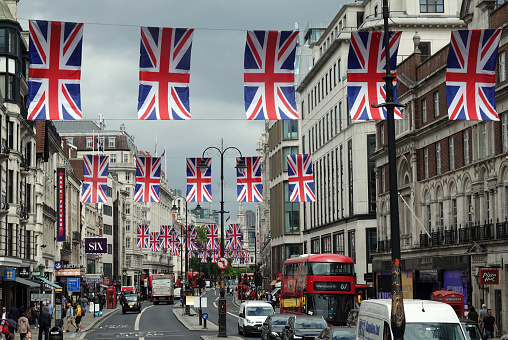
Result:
[{"x": 162, "y": 286}]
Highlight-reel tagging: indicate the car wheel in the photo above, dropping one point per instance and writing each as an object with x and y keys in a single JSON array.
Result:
[
  {"x": 239, "y": 331},
  {"x": 123, "y": 311},
  {"x": 246, "y": 332}
]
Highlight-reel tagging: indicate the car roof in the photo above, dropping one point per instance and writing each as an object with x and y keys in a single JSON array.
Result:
[
  {"x": 255, "y": 304},
  {"x": 308, "y": 317}
]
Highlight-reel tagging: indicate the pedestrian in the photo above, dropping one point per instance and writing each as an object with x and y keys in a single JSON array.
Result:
[
  {"x": 14, "y": 312},
  {"x": 44, "y": 323},
  {"x": 3, "y": 322},
  {"x": 12, "y": 324},
  {"x": 79, "y": 315},
  {"x": 23, "y": 326},
  {"x": 69, "y": 317},
  {"x": 51, "y": 311},
  {"x": 84, "y": 304},
  {"x": 489, "y": 324},
  {"x": 472, "y": 314},
  {"x": 481, "y": 315}
]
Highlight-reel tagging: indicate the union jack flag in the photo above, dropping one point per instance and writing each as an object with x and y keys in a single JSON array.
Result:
[
  {"x": 191, "y": 238},
  {"x": 300, "y": 178},
  {"x": 199, "y": 182},
  {"x": 148, "y": 179},
  {"x": 155, "y": 244},
  {"x": 55, "y": 70},
  {"x": 164, "y": 73},
  {"x": 249, "y": 187},
  {"x": 234, "y": 237},
  {"x": 143, "y": 235},
  {"x": 95, "y": 179},
  {"x": 366, "y": 68},
  {"x": 212, "y": 236},
  {"x": 470, "y": 75},
  {"x": 165, "y": 237},
  {"x": 214, "y": 255},
  {"x": 269, "y": 88},
  {"x": 203, "y": 253},
  {"x": 246, "y": 256},
  {"x": 175, "y": 244}
]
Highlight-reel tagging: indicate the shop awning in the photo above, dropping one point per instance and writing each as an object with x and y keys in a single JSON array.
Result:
[
  {"x": 273, "y": 283},
  {"x": 46, "y": 281},
  {"x": 28, "y": 283}
]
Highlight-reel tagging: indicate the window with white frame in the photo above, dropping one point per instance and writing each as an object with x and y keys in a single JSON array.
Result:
[
  {"x": 127, "y": 225},
  {"x": 89, "y": 142},
  {"x": 504, "y": 131},
  {"x": 128, "y": 177},
  {"x": 438, "y": 158},
  {"x": 431, "y": 6},
  {"x": 126, "y": 158},
  {"x": 111, "y": 142},
  {"x": 429, "y": 218},
  {"x": 483, "y": 140},
  {"x": 451, "y": 151},
  {"x": 112, "y": 158},
  {"x": 127, "y": 242},
  {"x": 436, "y": 103},
  {"x": 426, "y": 161},
  {"x": 502, "y": 66},
  {"x": 383, "y": 179},
  {"x": 441, "y": 214},
  {"x": 424, "y": 110},
  {"x": 466, "y": 147},
  {"x": 454, "y": 212},
  {"x": 469, "y": 206},
  {"x": 127, "y": 209}
]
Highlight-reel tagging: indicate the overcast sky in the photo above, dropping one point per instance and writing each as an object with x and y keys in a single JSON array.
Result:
[{"x": 109, "y": 78}]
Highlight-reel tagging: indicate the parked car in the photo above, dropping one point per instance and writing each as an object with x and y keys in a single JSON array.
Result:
[
  {"x": 132, "y": 303},
  {"x": 300, "y": 327},
  {"x": 251, "y": 316},
  {"x": 273, "y": 326},
  {"x": 337, "y": 333},
  {"x": 471, "y": 329}
]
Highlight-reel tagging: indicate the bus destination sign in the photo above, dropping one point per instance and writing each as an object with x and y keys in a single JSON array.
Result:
[{"x": 332, "y": 286}]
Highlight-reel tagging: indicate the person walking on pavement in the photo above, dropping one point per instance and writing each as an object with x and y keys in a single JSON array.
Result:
[
  {"x": 481, "y": 315},
  {"x": 79, "y": 315},
  {"x": 44, "y": 323},
  {"x": 23, "y": 326},
  {"x": 84, "y": 304},
  {"x": 489, "y": 324},
  {"x": 51, "y": 311},
  {"x": 69, "y": 317},
  {"x": 472, "y": 314}
]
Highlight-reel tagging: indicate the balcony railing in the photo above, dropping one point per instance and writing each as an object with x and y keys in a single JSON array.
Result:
[
  {"x": 48, "y": 210},
  {"x": 4, "y": 148},
  {"x": 4, "y": 205},
  {"x": 76, "y": 237},
  {"x": 439, "y": 236}
]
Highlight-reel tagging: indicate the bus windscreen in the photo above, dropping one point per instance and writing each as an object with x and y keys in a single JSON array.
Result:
[{"x": 333, "y": 307}]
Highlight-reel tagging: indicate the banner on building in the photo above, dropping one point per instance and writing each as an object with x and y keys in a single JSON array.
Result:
[
  {"x": 258, "y": 222},
  {"x": 96, "y": 245},
  {"x": 61, "y": 205}
]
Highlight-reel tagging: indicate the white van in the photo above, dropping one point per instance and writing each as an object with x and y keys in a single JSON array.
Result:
[
  {"x": 425, "y": 319},
  {"x": 251, "y": 316}
]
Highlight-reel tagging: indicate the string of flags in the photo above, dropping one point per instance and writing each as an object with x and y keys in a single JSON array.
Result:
[{"x": 168, "y": 238}]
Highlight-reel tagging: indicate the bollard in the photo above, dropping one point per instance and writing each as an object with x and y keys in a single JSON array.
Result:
[{"x": 205, "y": 316}]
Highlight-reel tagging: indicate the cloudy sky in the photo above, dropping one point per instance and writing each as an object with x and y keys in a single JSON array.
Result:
[{"x": 110, "y": 70}]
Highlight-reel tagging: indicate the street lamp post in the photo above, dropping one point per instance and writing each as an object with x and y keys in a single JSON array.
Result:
[
  {"x": 183, "y": 253},
  {"x": 204, "y": 166}
]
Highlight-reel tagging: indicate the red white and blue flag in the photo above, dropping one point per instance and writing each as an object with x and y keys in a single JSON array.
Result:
[
  {"x": 269, "y": 88},
  {"x": 165, "y": 237},
  {"x": 246, "y": 256},
  {"x": 212, "y": 236},
  {"x": 155, "y": 244},
  {"x": 148, "y": 179},
  {"x": 164, "y": 73},
  {"x": 470, "y": 75},
  {"x": 175, "y": 243},
  {"x": 203, "y": 253},
  {"x": 300, "y": 178},
  {"x": 143, "y": 236},
  {"x": 95, "y": 179},
  {"x": 199, "y": 182},
  {"x": 214, "y": 256},
  {"x": 249, "y": 187},
  {"x": 366, "y": 68},
  {"x": 55, "y": 70},
  {"x": 191, "y": 238},
  {"x": 234, "y": 237}
]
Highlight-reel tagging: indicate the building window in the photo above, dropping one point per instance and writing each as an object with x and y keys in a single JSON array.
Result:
[
  {"x": 338, "y": 71},
  {"x": 326, "y": 244},
  {"x": 502, "y": 67},
  {"x": 451, "y": 152},
  {"x": 110, "y": 248},
  {"x": 338, "y": 243},
  {"x": 426, "y": 161},
  {"x": 504, "y": 131},
  {"x": 334, "y": 75},
  {"x": 429, "y": 218},
  {"x": 454, "y": 211},
  {"x": 438, "y": 158},
  {"x": 112, "y": 158},
  {"x": 108, "y": 229},
  {"x": 291, "y": 212},
  {"x": 371, "y": 243},
  {"x": 469, "y": 207},
  {"x": 424, "y": 111},
  {"x": 431, "y": 6},
  {"x": 436, "y": 104},
  {"x": 127, "y": 242},
  {"x": 292, "y": 150},
  {"x": 128, "y": 225},
  {"x": 383, "y": 179},
  {"x": 108, "y": 210},
  {"x": 381, "y": 135},
  {"x": 340, "y": 116},
  {"x": 70, "y": 140},
  {"x": 371, "y": 148},
  {"x": 303, "y": 108},
  {"x": 441, "y": 214},
  {"x": 89, "y": 142},
  {"x": 108, "y": 270},
  {"x": 483, "y": 140},
  {"x": 290, "y": 128},
  {"x": 127, "y": 209},
  {"x": 350, "y": 176},
  {"x": 351, "y": 245},
  {"x": 466, "y": 147},
  {"x": 111, "y": 142},
  {"x": 314, "y": 246},
  {"x": 128, "y": 177}
]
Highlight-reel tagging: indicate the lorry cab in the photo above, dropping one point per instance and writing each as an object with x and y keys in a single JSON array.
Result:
[{"x": 428, "y": 320}]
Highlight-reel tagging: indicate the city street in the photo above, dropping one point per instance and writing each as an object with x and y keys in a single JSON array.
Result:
[{"x": 160, "y": 321}]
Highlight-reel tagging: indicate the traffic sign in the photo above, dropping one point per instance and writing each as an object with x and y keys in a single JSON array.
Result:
[{"x": 222, "y": 263}]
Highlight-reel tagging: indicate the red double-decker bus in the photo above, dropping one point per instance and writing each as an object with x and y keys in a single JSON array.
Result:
[{"x": 320, "y": 284}]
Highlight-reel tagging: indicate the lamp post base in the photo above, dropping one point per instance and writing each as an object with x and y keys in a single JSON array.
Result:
[{"x": 222, "y": 318}]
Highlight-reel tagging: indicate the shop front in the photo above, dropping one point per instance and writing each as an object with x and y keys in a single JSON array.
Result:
[{"x": 71, "y": 280}]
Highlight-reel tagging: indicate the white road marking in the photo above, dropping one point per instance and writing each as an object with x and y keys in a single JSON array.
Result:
[
  {"x": 136, "y": 324},
  {"x": 215, "y": 305}
]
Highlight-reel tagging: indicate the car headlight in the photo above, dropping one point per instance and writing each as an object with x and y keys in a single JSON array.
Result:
[
  {"x": 251, "y": 321},
  {"x": 275, "y": 334},
  {"x": 297, "y": 337}
]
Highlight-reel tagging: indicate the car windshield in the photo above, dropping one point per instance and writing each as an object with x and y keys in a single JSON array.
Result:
[
  {"x": 344, "y": 333},
  {"x": 472, "y": 331},
  {"x": 314, "y": 323},
  {"x": 131, "y": 298},
  {"x": 433, "y": 331},
  {"x": 278, "y": 321},
  {"x": 259, "y": 311}
]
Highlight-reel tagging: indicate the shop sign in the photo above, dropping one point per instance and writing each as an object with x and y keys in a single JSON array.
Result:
[
  {"x": 36, "y": 273},
  {"x": 23, "y": 273},
  {"x": 489, "y": 276},
  {"x": 61, "y": 205},
  {"x": 10, "y": 275},
  {"x": 96, "y": 245}
]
